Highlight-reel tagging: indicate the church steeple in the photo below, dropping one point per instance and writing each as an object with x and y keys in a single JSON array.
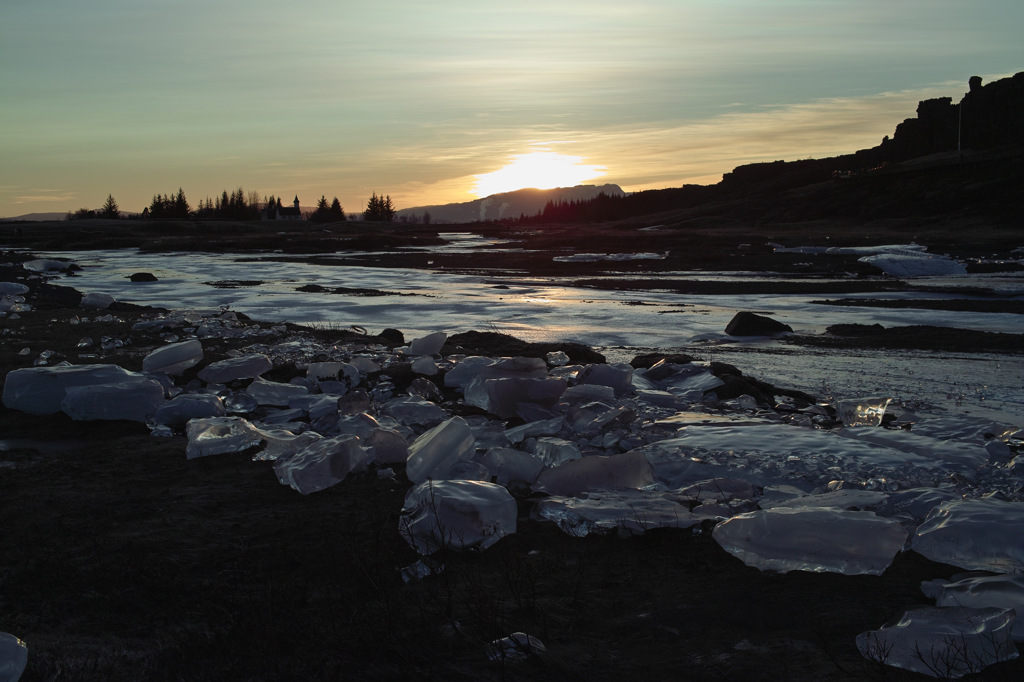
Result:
[{"x": 296, "y": 202}]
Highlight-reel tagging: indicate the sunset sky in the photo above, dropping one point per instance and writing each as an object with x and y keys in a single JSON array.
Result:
[{"x": 430, "y": 102}]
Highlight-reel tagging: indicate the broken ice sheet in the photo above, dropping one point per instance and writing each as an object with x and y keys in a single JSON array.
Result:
[
  {"x": 946, "y": 643},
  {"x": 983, "y": 534},
  {"x": 629, "y": 511},
  {"x": 456, "y": 514},
  {"x": 812, "y": 539}
]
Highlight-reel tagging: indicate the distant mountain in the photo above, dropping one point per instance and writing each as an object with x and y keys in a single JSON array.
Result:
[
  {"x": 527, "y": 202},
  {"x": 38, "y": 217}
]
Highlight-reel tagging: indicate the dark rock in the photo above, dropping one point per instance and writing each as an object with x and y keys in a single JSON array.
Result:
[
  {"x": 648, "y": 360},
  {"x": 722, "y": 369},
  {"x": 393, "y": 335},
  {"x": 495, "y": 344},
  {"x": 751, "y": 324},
  {"x": 143, "y": 277}
]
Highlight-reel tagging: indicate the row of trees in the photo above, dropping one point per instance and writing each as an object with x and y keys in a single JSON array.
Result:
[{"x": 239, "y": 205}]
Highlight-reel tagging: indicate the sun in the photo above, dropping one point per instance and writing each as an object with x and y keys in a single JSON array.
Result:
[{"x": 540, "y": 170}]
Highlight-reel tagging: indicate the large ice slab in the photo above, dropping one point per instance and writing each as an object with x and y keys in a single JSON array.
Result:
[
  {"x": 13, "y": 657},
  {"x": 999, "y": 591},
  {"x": 626, "y": 511},
  {"x": 432, "y": 455},
  {"x": 321, "y": 464},
  {"x": 174, "y": 358},
  {"x": 134, "y": 400},
  {"x": 812, "y": 539},
  {"x": 946, "y": 643},
  {"x": 428, "y": 345},
  {"x": 456, "y": 514},
  {"x": 914, "y": 264},
  {"x": 974, "y": 534},
  {"x": 40, "y": 390},
  {"x": 597, "y": 472},
  {"x": 506, "y": 396}
]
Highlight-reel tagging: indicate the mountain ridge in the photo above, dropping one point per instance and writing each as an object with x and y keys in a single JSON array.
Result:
[{"x": 527, "y": 202}]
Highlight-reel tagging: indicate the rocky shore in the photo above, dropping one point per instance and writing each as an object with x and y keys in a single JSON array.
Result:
[{"x": 123, "y": 559}]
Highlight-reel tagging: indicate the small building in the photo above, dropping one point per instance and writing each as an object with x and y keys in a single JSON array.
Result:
[{"x": 279, "y": 212}]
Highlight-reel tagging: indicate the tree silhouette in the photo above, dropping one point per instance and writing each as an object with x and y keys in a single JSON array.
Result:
[
  {"x": 335, "y": 212},
  {"x": 110, "y": 209},
  {"x": 379, "y": 209},
  {"x": 322, "y": 212}
]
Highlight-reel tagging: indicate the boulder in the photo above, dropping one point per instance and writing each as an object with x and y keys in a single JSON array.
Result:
[{"x": 751, "y": 324}]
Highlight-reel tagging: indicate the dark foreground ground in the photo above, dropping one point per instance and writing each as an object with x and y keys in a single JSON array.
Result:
[{"x": 122, "y": 560}]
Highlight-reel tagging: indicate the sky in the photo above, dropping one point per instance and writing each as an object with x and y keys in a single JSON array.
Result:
[{"x": 444, "y": 101}]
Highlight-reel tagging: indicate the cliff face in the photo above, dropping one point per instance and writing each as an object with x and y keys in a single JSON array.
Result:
[{"x": 988, "y": 116}]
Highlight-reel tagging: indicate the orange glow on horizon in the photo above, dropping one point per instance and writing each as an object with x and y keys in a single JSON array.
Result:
[{"x": 539, "y": 170}]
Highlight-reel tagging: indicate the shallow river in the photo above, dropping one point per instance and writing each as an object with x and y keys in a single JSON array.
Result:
[{"x": 619, "y": 324}]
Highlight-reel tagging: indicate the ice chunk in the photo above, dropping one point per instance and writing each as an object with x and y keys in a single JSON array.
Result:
[
  {"x": 962, "y": 428},
  {"x": 946, "y": 643},
  {"x": 629, "y": 511},
  {"x": 618, "y": 376},
  {"x": 12, "y": 289},
  {"x": 217, "y": 435},
  {"x": 545, "y": 427},
  {"x": 330, "y": 372},
  {"x": 555, "y": 451},
  {"x": 40, "y": 390},
  {"x": 46, "y": 265},
  {"x": 361, "y": 425},
  {"x": 589, "y": 393},
  {"x": 862, "y": 411},
  {"x": 465, "y": 371},
  {"x": 282, "y": 442},
  {"x": 424, "y": 365},
  {"x": 388, "y": 445},
  {"x": 97, "y": 301},
  {"x": 178, "y": 411},
  {"x": 974, "y": 534},
  {"x": 428, "y": 345},
  {"x": 691, "y": 379},
  {"x": 244, "y": 367},
  {"x": 456, "y": 514},
  {"x": 916, "y": 503},
  {"x": 134, "y": 400},
  {"x": 516, "y": 647},
  {"x": 509, "y": 396},
  {"x": 557, "y": 358},
  {"x": 432, "y": 455},
  {"x": 274, "y": 392},
  {"x": 412, "y": 410},
  {"x": 512, "y": 466},
  {"x": 910, "y": 264},
  {"x": 321, "y": 464},
  {"x": 590, "y": 419},
  {"x": 598, "y": 472},
  {"x": 812, "y": 539},
  {"x": 240, "y": 403},
  {"x": 13, "y": 657},
  {"x": 966, "y": 455},
  {"x": 173, "y": 358}
]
